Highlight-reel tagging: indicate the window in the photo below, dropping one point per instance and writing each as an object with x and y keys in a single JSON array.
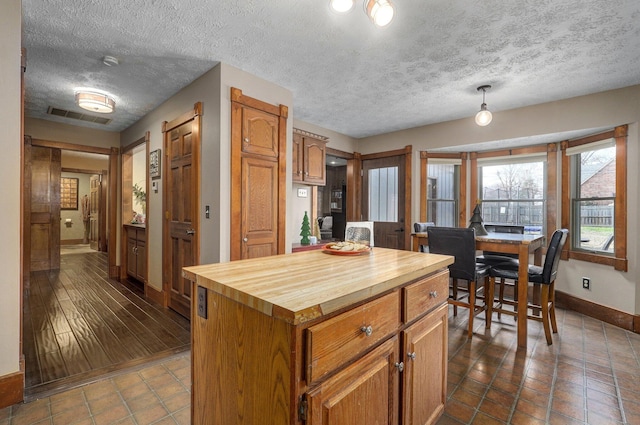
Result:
[
  {"x": 383, "y": 194},
  {"x": 593, "y": 202},
  {"x": 443, "y": 192},
  {"x": 68, "y": 193},
  {"x": 512, "y": 191}
]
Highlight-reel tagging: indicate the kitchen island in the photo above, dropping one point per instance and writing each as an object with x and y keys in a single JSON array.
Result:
[{"x": 313, "y": 338}]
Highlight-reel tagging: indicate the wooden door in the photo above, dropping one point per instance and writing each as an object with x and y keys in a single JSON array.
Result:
[
  {"x": 181, "y": 194},
  {"x": 365, "y": 392},
  {"x": 95, "y": 192},
  {"x": 425, "y": 374},
  {"x": 386, "y": 199},
  {"x": 45, "y": 165},
  {"x": 258, "y": 177}
]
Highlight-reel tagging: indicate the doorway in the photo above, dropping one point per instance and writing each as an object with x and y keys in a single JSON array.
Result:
[{"x": 386, "y": 196}]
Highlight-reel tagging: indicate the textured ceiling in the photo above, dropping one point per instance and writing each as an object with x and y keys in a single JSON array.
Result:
[{"x": 345, "y": 74}]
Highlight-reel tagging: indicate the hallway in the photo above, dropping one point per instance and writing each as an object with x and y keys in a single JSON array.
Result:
[{"x": 79, "y": 326}]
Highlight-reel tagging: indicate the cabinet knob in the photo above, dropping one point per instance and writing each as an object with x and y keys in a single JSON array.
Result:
[
  {"x": 368, "y": 330},
  {"x": 191, "y": 232},
  {"x": 246, "y": 140},
  {"x": 399, "y": 366},
  {"x": 245, "y": 239},
  {"x": 433, "y": 294},
  {"x": 412, "y": 356}
]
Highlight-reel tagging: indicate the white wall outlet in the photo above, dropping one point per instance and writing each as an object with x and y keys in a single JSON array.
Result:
[{"x": 302, "y": 193}]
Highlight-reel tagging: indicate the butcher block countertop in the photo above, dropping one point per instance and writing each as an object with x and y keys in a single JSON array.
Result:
[{"x": 307, "y": 285}]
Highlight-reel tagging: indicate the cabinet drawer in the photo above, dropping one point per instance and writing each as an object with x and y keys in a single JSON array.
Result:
[
  {"x": 425, "y": 294},
  {"x": 336, "y": 341}
]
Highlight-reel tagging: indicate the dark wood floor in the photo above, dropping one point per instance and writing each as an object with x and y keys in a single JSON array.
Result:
[{"x": 79, "y": 325}]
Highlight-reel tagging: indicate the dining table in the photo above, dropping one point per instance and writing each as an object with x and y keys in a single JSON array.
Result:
[{"x": 509, "y": 243}]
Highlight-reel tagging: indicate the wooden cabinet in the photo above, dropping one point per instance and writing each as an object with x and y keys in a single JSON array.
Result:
[
  {"x": 137, "y": 252},
  {"x": 308, "y": 159},
  {"x": 376, "y": 359}
]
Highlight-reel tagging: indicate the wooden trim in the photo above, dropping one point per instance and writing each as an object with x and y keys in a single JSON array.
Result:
[
  {"x": 473, "y": 171},
  {"x": 552, "y": 191},
  {"x": 354, "y": 187},
  {"x": 408, "y": 225},
  {"x": 187, "y": 116},
  {"x": 565, "y": 199},
  {"x": 154, "y": 295},
  {"x": 282, "y": 178},
  {"x": 339, "y": 153},
  {"x": 70, "y": 242},
  {"x": 112, "y": 178},
  {"x": 597, "y": 311},
  {"x": 386, "y": 154},
  {"x": 511, "y": 152},
  {"x": 636, "y": 323},
  {"x": 11, "y": 389},
  {"x": 310, "y": 134},
  {"x": 237, "y": 96},
  {"x": 593, "y": 138},
  {"x": 80, "y": 171},
  {"x": 424, "y": 164},
  {"x": 137, "y": 143},
  {"x": 462, "y": 202},
  {"x": 70, "y": 146},
  {"x": 235, "y": 179}
]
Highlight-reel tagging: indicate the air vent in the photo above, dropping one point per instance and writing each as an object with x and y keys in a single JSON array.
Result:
[{"x": 77, "y": 116}]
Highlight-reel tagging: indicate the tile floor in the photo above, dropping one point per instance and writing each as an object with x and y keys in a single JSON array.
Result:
[{"x": 590, "y": 375}]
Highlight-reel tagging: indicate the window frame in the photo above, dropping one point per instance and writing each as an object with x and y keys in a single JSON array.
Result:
[
  {"x": 462, "y": 190},
  {"x": 619, "y": 258}
]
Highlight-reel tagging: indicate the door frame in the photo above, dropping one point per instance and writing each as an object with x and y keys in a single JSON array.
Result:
[
  {"x": 112, "y": 190},
  {"x": 407, "y": 152}
]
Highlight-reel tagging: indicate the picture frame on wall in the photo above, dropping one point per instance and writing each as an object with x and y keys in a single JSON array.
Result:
[{"x": 154, "y": 164}]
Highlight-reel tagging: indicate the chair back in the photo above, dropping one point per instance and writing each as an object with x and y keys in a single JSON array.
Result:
[
  {"x": 422, "y": 227},
  {"x": 359, "y": 231},
  {"x": 459, "y": 242},
  {"x": 552, "y": 259},
  {"x": 502, "y": 228}
]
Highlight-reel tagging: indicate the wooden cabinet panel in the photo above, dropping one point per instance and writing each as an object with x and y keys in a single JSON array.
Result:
[
  {"x": 309, "y": 160},
  {"x": 425, "y": 372},
  {"x": 338, "y": 340},
  {"x": 362, "y": 393},
  {"x": 425, "y": 294},
  {"x": 136, "y": 252}
]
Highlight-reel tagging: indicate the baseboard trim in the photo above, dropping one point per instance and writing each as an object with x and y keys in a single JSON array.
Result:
[
  {"x": 154, "y": 295},
  {"x": 71, "y": 242},
  {"x": 11, "y": 389},
  {"x": 597, "y": 311}
]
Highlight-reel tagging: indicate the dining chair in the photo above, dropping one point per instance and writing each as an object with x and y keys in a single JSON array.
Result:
[
  {"x": 421, "y": 227},
  {"x": 542, "y": 277},
  {"x": 461, "y": 243},
  {"x": 359, "y": 231},
  {"x": 492, "y": 258}
]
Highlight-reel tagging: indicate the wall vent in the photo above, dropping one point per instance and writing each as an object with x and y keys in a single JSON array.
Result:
[{"x": 77, "y": 116}]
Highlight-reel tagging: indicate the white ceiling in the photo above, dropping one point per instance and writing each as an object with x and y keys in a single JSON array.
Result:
[{"x": 345, "y": 74}]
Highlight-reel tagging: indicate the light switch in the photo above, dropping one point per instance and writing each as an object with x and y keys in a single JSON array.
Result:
[
  {"x": 302, "y": 193},
  {"x": 154, "y": 186}
]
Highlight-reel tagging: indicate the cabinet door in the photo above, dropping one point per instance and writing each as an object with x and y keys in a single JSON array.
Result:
[
  {"x": 314, "y": 161},
  {"x": 132, "y": 258},
  {"x": 141, "y": 260},
  {"x": 425, "y": 374},
  {"x": 365, "y": 392},
  {"x": 296, "y": 158}
]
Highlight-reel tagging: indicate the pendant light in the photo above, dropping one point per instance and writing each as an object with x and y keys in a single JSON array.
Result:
[{"x": 483, "y": 117}]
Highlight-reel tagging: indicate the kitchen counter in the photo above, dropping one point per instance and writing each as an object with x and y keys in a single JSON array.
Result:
[{"x": 308, "y": 285}]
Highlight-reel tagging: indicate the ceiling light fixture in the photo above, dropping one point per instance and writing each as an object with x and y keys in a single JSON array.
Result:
[
  {"x": 483, "y": 117},
  {"x": 95, "y": 102},
  {"x": 342, "y": 6},
  {"x": 380, "y": 12}
]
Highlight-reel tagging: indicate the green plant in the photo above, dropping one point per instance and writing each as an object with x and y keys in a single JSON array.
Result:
[{"x": 141, "y": 195}]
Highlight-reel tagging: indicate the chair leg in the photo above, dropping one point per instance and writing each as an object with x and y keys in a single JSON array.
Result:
[
  {"x": 472, "y": 306},
  {"x": 489, "y": 301},
  {"x": 455, "y": 295},
  {"x": 500, "y": 296},
  {"x": 552, "y": 308},
  {"x": 544, "y": 304}
]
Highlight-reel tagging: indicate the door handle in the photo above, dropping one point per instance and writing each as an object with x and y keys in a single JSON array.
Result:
[{"x": 191, "y": 232}]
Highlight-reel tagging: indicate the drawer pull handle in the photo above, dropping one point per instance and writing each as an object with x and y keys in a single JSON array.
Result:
[
  {"x": 412, "y": 356},
  {"x": 368, "y": 330},
  {"x": 433, "y": 294},
  {"x": 400, "y": 366}
]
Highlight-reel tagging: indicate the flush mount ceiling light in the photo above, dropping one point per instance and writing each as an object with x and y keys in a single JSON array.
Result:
[
  {"x": 95, "y": 102},
  {"x": 483, "y": 117},
  {"x": 379, "y": 11}
]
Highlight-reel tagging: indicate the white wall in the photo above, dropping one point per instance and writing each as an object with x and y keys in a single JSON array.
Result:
[
  {"x": 213, "y": 89},
  {"x": 611, "y": 288},
  {"x": 10, "y": 164}
]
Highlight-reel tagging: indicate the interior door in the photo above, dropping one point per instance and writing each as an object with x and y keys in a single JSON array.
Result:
[
  {"x": 94, "y": 211},
  {"x": 45, "y": 164},
  {"x": 258, "y": 177},
  {"x": 383, "y": 199},
  {"x": 182, "y": 145}
]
